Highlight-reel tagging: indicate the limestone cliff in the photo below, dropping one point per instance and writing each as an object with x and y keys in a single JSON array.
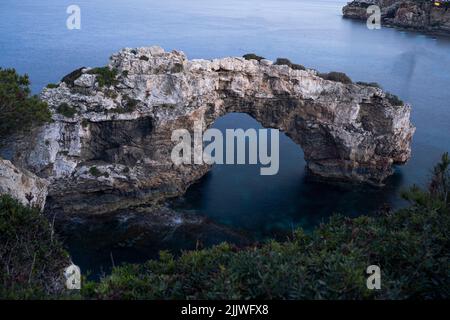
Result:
[
  {"x": 110, "y": 142},
  {"x": 418, "y": 15},
  {"x": 22, "y": 185}
]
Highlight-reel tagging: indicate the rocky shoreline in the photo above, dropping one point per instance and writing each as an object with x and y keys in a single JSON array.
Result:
[
  {"x": 418, "y": 15},
  {"x": 139, "y": 234}
]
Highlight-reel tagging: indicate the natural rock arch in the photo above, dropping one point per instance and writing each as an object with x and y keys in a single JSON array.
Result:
[{"x": 115, "y": 152}]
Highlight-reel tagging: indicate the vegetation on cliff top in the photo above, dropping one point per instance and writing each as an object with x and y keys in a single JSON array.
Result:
[
  {"x": 105, "y": 76},
  {"x": 287, "y": 62},
  {"x": 369, "y": 84},
  {"x": 252, "y": 56},
  {"x": 336, "y": 76},
  {"x": 71, "y": 77},
  {"x": 52, "y": 86},
  {"x": 278, "y": 62},
  {"x": 19, "y": 110},
  {"x": 66, "y": 110},
  {"x": 331, "y": 76},
  {"x": 394, "y": 100}
]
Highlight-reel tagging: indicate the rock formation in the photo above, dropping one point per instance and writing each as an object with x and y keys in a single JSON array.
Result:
[
  {"x": 22, "y": 185},
  {"x": 110, "y": 142},
  {"x": 419, "y": 15}
]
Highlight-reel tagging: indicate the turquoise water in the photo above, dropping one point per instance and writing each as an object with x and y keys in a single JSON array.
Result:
[{"x": 416, "y": 67}]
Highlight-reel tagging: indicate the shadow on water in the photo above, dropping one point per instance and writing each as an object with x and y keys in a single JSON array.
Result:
[{"x": 267, "y": 206}]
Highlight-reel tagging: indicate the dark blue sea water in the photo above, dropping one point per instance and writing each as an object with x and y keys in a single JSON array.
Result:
[{"x": 34, "y": 39}]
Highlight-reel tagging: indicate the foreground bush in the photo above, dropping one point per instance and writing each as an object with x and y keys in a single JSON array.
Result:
[
  {"x": 32, "y": 260},
  {"x": 411, "y": 246},
  {"x": 19, "y": 110}
]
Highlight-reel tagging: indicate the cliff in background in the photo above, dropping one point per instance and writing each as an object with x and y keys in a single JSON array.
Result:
[{"x": 418, "y": 15}]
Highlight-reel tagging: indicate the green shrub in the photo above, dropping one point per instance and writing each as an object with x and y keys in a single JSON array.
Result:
[
  {"x": 143, "y": 58},
  {"x": 19, "y": 110},
  {"x": 129, "y": 105},
  {"x": 287, "y": 62},
  {"x": 394, "y": 100},
  {"x": 66, "y": 110},
  {"x": 336, "y": 76},
  {"x": 369, "y": 84},
  {"x": 97, "y": 173},
  {"x": 177, "y": 68},
  {"x": 52, "y": 86},
  {"x": 112, "y": 94},
  {"x": 71, "y": 77},
  {"x": 252, "y": 56},
  {"x": 411, "y": 246},
  {"x": 105, "y": 76},
  {"x": 32, "y": 260}
]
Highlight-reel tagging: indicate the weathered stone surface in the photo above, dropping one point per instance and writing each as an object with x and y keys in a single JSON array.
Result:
[
  {"x": 22, "y": 185},
  {"x": 417, "y": 15},
  {"x": 85, "y": 81},
  {"x": 115, "y": 152}
]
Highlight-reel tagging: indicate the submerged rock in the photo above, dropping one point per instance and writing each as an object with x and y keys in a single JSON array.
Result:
[
  {"x": 138, "y": 234},
  {"x": 416, "y": 15},
  {"x": 113, "y": 150}
]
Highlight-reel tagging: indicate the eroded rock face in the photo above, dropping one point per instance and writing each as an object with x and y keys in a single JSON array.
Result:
[
  {"x": 22, "y": 185},
  {"x": 115, "y": 152},
  {"x": 417, "y": 15}
]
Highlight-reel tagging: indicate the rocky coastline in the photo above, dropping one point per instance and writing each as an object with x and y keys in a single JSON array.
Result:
[{"x": 415, "y": 15}]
